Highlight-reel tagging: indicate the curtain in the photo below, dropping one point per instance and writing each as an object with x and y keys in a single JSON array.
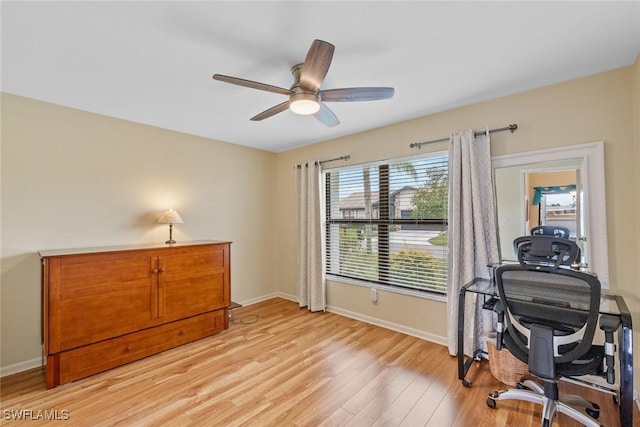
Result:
[
  {"x": 473, "y": 242},
  {"x": 540, "y": 191},
  {"x": 310, "y": 277}
]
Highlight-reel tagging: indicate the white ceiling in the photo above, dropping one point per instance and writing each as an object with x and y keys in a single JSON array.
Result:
[{"x": 152, "y": 62}]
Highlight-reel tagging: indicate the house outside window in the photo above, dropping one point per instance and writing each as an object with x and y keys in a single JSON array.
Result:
[{"x": 387, "y": 223}]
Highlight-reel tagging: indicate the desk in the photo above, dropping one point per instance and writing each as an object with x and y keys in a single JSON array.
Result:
[{"x": 609, "y": 304}]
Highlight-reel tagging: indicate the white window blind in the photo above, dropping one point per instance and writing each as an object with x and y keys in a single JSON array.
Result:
[{"x": 387, "y": 223}]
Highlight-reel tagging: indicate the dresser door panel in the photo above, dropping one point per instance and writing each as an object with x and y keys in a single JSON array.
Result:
[
  {"x": 192, "y": 283},
  {"x": 197, "y": 259},
  {"x": 104, "y": 296},
  {"x": 184, "y": 295}
]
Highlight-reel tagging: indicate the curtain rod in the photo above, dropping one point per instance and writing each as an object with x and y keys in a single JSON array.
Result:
[
  {"x": 345, "y": 158},
  {"x": 511, "y": 128}
]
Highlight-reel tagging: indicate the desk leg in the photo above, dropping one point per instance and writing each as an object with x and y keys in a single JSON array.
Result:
[
  {"x": 625, "y": 338},
  {"x": 463, "y": 367}
]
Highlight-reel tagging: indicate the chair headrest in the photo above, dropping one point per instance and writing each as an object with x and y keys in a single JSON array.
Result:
[
  {"x": 551, "y": 230},
  {"x": 544, "y": 252}
]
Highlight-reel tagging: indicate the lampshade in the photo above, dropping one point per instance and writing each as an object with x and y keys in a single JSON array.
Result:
[
  {"x": 170, "y": 217},
  {"x": 304, "y": 103}
]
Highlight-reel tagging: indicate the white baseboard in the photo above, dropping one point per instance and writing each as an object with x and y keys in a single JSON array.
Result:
[
  {"x": 21, "y": 366},
  {"x": 357, "y": 316},
  {"x": 256, "y": 300},
  {"x": 389, "y": 325}
]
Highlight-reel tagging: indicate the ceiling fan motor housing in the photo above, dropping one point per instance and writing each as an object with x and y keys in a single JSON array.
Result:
[{"x": 302, "y": 101}]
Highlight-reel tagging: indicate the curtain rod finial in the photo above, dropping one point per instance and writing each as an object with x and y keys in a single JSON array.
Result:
[{"x": 513, "y": 127}]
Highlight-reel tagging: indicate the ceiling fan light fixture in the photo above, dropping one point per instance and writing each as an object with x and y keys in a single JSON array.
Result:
[{"x": 304, "y": 103}]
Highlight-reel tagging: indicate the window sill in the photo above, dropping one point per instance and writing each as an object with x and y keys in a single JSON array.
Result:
[{"x": 397, "y": 290}]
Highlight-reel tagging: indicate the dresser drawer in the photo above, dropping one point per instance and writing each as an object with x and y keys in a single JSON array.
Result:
[{"x": 104, "y": 355}]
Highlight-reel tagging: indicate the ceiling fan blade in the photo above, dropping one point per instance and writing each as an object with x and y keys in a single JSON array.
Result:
[
  {"x": 271, "y": 111},
  {"x": 326, "y": 116},
  {"x": 252, "y": 84},
  {"x": 352, "y": 94},
  {"x": 316, "y": 65}
]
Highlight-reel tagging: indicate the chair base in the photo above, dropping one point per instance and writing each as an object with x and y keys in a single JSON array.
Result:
[{"x": 531, "y": 391}]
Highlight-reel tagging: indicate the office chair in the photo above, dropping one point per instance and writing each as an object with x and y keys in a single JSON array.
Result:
[
  {"x": 551, "y": 314},
  {"x": 550, "y": 230}
]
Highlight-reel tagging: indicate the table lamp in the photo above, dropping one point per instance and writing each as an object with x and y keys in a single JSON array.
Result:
[{"x": 170, "y": 217}]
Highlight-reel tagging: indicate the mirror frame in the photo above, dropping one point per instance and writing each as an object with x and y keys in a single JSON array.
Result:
[{"x": 592, "y": 157}]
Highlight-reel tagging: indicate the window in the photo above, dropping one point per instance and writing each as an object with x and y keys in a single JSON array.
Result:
[
  {"x": 387, "y": 223},
  {"x": 559, "y": 210}
]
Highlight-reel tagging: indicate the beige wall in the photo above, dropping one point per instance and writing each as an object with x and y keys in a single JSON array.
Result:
[
  {"x": 76, "y": 179},
  {"x": 595, "y": 108}
]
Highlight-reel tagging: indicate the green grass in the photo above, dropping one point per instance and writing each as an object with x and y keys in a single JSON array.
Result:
[{"x": 441, "y": 240}]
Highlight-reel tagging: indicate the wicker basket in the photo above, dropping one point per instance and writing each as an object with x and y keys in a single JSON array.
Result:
[{"x": 504, "y": 366}]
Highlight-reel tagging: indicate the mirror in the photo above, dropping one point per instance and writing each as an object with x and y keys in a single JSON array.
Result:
[
  {"x": 571, "y": 194},
  {"x": 519, "y": 211}
]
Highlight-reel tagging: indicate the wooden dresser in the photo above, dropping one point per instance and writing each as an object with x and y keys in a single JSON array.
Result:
[{"x": 104, "y": 307}]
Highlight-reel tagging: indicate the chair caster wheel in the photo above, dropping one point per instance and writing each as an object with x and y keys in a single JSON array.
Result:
[
  {"x": 593, "y": 413},
  {"x": 466, "y": 383},
  {"x": 491, "y": 403}
]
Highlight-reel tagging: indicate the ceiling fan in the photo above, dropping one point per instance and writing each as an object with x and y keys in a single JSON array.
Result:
[{"x": 305, "y": 96}]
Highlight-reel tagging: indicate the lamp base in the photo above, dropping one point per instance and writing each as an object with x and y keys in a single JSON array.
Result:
[{"x": 170, "y": 241}]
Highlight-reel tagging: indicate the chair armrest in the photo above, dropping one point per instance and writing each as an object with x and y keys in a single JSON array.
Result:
[
  {"x": 497, "y": 308},
  {"x": 609, "y": 323}
]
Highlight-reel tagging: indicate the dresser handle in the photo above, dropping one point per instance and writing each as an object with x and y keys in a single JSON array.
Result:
[
  {"x": 162, "y": 270},
  {"x": 128, "y": 348},
  {"x": 181, "y": 332},
  {"x": 155, "y": 271}
]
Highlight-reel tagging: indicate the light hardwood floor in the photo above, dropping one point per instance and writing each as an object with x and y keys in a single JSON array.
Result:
[{"x": 279, "y": 365}]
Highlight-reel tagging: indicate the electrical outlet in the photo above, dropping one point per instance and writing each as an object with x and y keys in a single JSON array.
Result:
[{"x": 374, "y": 295}]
